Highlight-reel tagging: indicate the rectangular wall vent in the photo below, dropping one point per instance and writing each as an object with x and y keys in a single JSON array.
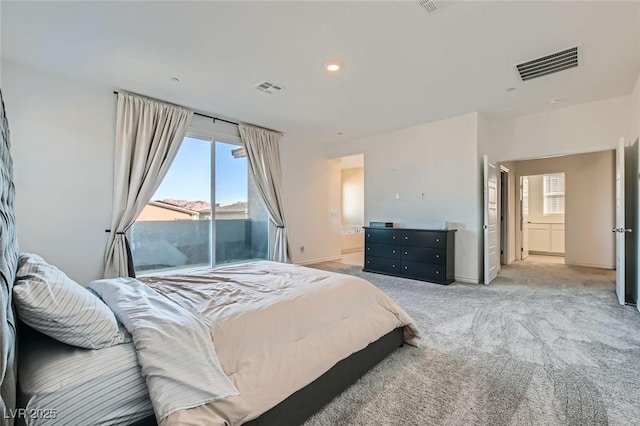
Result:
[
  {"x": 549, "y": 64},
  {"x": 432, "y": 6},
  {"x": 269, "y": 87}
]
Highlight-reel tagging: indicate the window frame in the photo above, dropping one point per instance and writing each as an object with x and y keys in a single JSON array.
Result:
[
  {"x": 549, "y": 197},
  {"x": 212, "y": 131}
]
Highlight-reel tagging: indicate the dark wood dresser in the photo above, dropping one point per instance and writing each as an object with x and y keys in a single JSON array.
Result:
[{"x": 421, "y": 254}]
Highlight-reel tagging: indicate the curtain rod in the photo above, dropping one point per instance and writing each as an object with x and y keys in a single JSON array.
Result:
[
  {"x": 203, "y": 115},
  {"x": 212, "y": 117}
]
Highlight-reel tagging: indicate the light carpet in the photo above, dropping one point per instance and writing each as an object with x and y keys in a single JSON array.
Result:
[{"x": 541, "y": 345}]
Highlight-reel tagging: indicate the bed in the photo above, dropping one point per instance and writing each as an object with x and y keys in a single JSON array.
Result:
[{"x": 277, "y": 343}]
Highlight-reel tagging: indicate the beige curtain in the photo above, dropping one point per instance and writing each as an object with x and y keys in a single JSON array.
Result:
[
  {"x": 263, "y": 153},
  {"x": 148, "y": 135}
]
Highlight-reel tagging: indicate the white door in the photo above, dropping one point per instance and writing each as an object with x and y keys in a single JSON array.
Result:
[
  {"x": 491, "y": 253},
  {"x": 524, "y": 216},
  {"x": 620, "y": 225}
]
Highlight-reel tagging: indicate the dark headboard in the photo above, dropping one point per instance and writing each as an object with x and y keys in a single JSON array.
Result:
[{"x": 8, "y": 265}]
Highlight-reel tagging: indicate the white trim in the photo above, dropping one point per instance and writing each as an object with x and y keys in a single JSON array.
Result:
[
  {"x": 467, "y": 280},
  {"x": 590, "y": 265},
  {"x": 319, "y": 260},
  {"x": 352, "y": 250}
]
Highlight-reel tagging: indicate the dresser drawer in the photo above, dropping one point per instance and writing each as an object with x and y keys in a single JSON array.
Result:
[
  {"x": 423, "y": 238},
  {"x": 424, "y": 271},
  {"x": 382, "y": 264},
  {"x": 383, "y": 236},
  {"x": 424, "y": 254},
  {"x": 383, "y": 250}
]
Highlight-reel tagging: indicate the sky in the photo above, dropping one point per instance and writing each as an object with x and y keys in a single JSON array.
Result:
[{"x": 189, "y": 177}]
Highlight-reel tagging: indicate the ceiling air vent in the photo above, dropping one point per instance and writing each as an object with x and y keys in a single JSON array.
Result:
[
  {"x": 549, "y": 64},
  {"x": 269, "y": 87},
  {"x": 429, "y": 6}
]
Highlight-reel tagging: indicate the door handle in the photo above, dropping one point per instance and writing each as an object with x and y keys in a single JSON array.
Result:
[{"x": 621, "y": 230}]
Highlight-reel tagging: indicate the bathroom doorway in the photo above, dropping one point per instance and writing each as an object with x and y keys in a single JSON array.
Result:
[
  {"x": 352, "y": 211},
  {"x": 542, "y": 217}
]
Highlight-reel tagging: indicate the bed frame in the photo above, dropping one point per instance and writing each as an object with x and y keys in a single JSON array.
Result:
[{"x": 292, "y": 411}]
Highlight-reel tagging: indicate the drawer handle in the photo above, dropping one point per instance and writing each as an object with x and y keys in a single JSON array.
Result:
[
  {"x": 394, "y": 237},
  {"x": 394, "y": 266},
  {"x": 406, "y": 238},
  {"x": 368, "y": 248},
  {"x": 437, "y": 255},
  {"x": 437, "y": 272},
  {"x": 368, "y": 261},
  {"x": 406, "y": 267},
  {"x": 406, "y": 252},
  {"x": 437, "y": 240},
  {"x": 368, "y": 235},
  {"x": 394, "y": 252}
]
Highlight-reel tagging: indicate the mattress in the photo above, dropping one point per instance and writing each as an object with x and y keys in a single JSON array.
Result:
[{"x": 65, "y": 385}]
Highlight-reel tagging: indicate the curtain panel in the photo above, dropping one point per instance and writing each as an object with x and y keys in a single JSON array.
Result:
[
  {"x": 148, "y": 136},
  {"x": 263, "y": 153}
]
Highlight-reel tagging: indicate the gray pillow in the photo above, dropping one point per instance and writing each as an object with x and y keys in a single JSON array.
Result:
[{"x": 50, "y": 302}]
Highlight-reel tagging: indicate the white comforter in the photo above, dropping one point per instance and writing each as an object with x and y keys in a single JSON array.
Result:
[
  {"x": 276, "y": 328},
  {"x": 175, "y": 351}
]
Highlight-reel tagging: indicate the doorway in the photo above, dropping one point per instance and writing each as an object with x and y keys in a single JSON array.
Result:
[
  {"x": 542, "y": 218},
  {"x": 589, "y": 207},
  {"x": 504, "y": 214},
  {"x": 352, "y": 209}
]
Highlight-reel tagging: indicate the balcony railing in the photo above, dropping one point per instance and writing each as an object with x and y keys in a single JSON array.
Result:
[{"x": 186, "y": 243}]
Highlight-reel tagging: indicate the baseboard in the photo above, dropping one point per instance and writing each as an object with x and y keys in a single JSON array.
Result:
[
  {"x": 546, "y": 253},
  {"x": 590, "y": 265},
  {"x": 466, "y": 280},
  {"x": 353, "y": 250},
  {"x": 319, "y": 260}
]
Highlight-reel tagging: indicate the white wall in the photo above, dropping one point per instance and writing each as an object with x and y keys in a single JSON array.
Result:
[
  {"x": 312, "y": 193},
  {"x": 352, "y": 197},
  {"x": 62, "y": 135},
  {"x": 589, "y": 204},
  {"x": 635, "y": 111},
  {"x": 434, "y": 169},
  {"x": 589, "y": 127}
]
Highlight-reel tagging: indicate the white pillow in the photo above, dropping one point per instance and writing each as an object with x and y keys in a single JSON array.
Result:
[{"x": 50, "y": 302}]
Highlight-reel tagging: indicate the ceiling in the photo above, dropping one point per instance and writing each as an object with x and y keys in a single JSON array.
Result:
[{"x": 401, "y": 66}]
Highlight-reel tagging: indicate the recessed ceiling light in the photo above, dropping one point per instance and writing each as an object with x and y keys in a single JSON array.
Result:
[
  {"x": 511, "y": 89},
  {"x": 554, "y": 101},
  {"x": 332, "y": 67},
  {"x": 174, "y": 80}
]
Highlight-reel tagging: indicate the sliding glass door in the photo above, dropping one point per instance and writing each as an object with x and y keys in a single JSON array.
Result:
[
  {"x": 206, "y": 212},
  {"x": 240, "y": 218}
]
